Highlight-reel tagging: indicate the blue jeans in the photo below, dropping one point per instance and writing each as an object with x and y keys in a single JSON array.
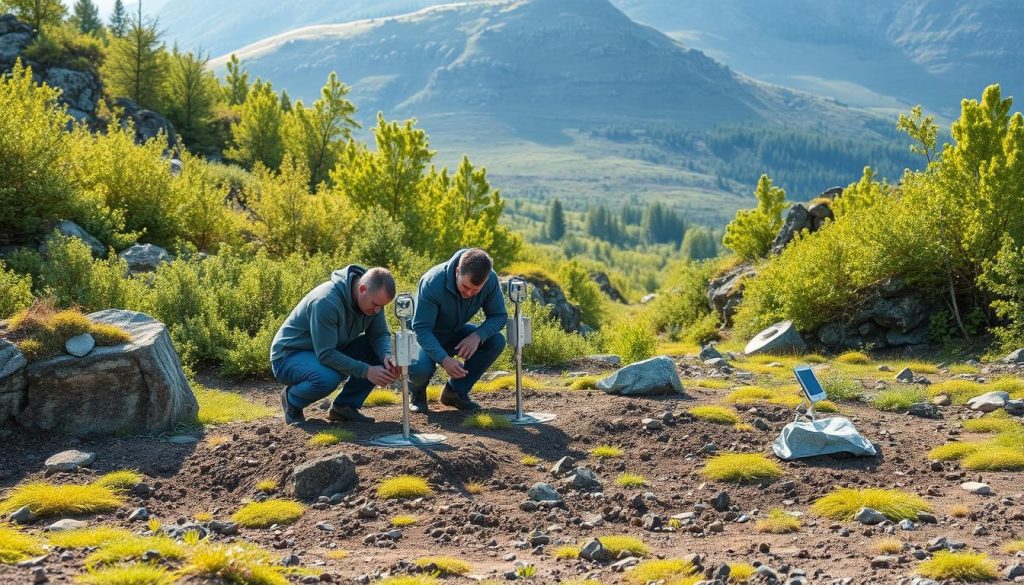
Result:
[
  {"x": 308, "y": 380},
  {"x": 421, "y": 371}
]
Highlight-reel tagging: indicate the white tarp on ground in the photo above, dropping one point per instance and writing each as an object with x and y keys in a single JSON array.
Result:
[{"x": 809, "y": 438}]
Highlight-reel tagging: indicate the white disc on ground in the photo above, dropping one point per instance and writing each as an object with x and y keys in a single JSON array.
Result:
[
  {"x": 533, "y": 418},
  {"x": 414, "y": 440}
]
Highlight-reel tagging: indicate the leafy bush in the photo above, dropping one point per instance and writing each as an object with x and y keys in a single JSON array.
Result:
[
  {"x": 15, "y": 292},
  {"x": 682, "y": 302},
  {"x": 64, "y": 46},
  {"x": 633, "y": 340},
  {"x": 551, "y": 345},
  {"x": 704, "y": 330},
  {"x": 750, "y": 234},
  {"x": 839, "y": 387},
  {"x": 583, "y": 291}
]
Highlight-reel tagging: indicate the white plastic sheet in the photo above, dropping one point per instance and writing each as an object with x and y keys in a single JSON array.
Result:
[{"x": 809, "y": 438}]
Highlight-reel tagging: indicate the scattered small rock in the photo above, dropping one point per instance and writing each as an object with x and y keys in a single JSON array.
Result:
[
  {"x": 976, "y": 487},
  {"x": 69, "y": 460},
  {"x": 66, "y": 524},
  {"x": 869, "y": 516},
  {"x": 80, "y": 345},
  {"x": 905, "y": 375},
  {"x": 544, "y": 492}
]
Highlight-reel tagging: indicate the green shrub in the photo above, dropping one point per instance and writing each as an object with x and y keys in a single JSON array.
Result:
[
  {"x": 751, "y": 232},
  {"x": 248, "y": 358},
  {"x": 551, "y": 345},
  {"x": 682, "y": 301},
  {"x": 15, "y": 292},
  {"x": 64, "y": 46},
  {"x": 839, "y": 387},
  {"x": 704, "y": 330},
  {"x": 898, "y": 399},
  {"x": 583, "y": 291},
  {"x": 633, "y": 339}
]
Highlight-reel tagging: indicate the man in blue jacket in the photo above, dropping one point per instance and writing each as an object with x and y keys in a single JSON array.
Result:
[
  {"x": 337, "y": 331},
  {"x": 449, "y": 295}
]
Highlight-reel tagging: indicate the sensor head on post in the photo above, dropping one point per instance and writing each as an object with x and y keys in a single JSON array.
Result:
[
  {"x": 404, "y": 306},
  {"x": 516, "y": 289}
]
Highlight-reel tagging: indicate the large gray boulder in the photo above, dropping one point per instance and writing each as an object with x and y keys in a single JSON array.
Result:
[
  {"x": 606, "y": 286},
  {"x": 726, "y": 292},
  {"x": 144, "y": 257},
  {"x": 12, "y": 380},
  {"x": 781, "y": 337},
  {"x": 797, "y": 220},
  {"x": 548, "y": 293},
  {"x": 134, "y": 387},
  {"x": 80, "y": 91},
  {"x": 323, "y": 477},
  {"x": 147, "y": 123},
  {"x": 73, "y": 230},
  {"x": 657, "y": 375},
  {"x": 1014, "y": 357},
  {"x": 819, "y": 212},
  {"x": 14, "y": 37}
]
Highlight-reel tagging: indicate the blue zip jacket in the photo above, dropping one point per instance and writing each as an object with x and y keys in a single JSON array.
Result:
[
  {"x": 327, "y": 319},
  {"x": 441, "y": 311}
]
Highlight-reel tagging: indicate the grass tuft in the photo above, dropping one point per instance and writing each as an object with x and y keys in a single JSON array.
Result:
[
  {"x": 584, "y": 383},
  {"x": 715, "y": 414},
  {"x": 957, "y": 369},
  {"x": 403, "y": 520},
  {"x": 713, "y": 383},
  {"x": 742, "y": 467},
  {"x": 631, "y": 544},
  {"x": 995, "y": 459},
  {"x": 475, "y": 488},
  {"x": 117, "y": 551},
  {"x": 46, "y": 499},
  {"x": 122, "y": 480},
  {"x": 898, "y": 399},
  {"x": 130, "y": 574},
  {"x": 668, "y": 571},
  {"x": 445, "y": 565},
  {"x": 332, "y": 437},
  {"x": 843, "y": 504},
  {"x": 996, "y": 422},
  {"x": 266, "y": 485},
  {"x": 404, "y": 487},
  {"x": 955, "y": 450},
  {"x": 381, "y": 397},
  {"x": 959, "y": 391},
  {"x": 567, "y": 552},
  {"x": 854, "y": 358},
  {"x": 741, "y": 572},
  {"x": 968, "y": 567},
  {"x": 778, "y": 522},
  {"x": 106, "y": 334},
  {"x": 239, "y": 563},
  {"x": 1012, "y": 547},
  {"x": 959, "y": 511},
  {"x": 631, "y": 480},
  {"x": 887, "y": 546},
  {"x": 409, "y": 580},
  {"x": 507, "y": 383},
  {"x": 486, "y": 421},
  {"x": 605, "y": 451},
  {"x": 268, "y": 512},
  {"x": 16, "y": 546},
  {"x": 88, "y": 537},
  {"x": 217, "y": 407},
  {"x": 529, "y": 460},
  {"x": 434, "y": 393}
]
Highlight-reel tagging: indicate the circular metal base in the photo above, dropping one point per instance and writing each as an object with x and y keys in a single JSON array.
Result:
[
  {"x": 414, "y": 440},
  {"x": 533, "y": 418}
]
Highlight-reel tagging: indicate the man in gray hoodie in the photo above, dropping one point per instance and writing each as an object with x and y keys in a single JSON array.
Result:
[
  {"x": 449, "y": 295},
  {"x": 337, "y": 331}
]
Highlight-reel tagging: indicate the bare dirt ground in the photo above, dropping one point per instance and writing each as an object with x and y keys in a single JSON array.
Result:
[{"x": 491, "y": 531}]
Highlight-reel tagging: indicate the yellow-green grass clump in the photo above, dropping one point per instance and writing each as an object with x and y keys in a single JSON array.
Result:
[
  {"x": 487, "y": 421},
  {"x": 668, "y": 571},
  {"x": 918, "y": 367},
  {"x": 567, "y": 552},
  {"x": 217, "y": 407},
  {"x": 813, "y": 358},
  {"x": 715, "y": 414},
  {"x": 381, "y": 397},
  {"x": 337, "y": 554},
  {"x": 741, "y": 572},
  {"x": 1012, "y": 547},
  {"x": 856, "y": 358},
  {"x": 117, "y": 551},
  {"x": 47, "y": 499},
  {"x": 631, "y": 480},
  {"x": 130, "y": 574},
  {"x": 268, "y": 512},
  {"x": 995, "y": 458},
  {"x": 240, "y": 563},
  {"x": 409, "y": 580},
  {"x": 404, "y": 487},
  {"x": 887, "y": 546},
  {"x": 1012, "y": 386},
  {"x": 615, "y": 544},
  {"x": 843, "y": 504},
  {"x": 403, "y": 520},
  {"x": 581, "y": 582},
  {"x": 898, "y": 399},
  {"x": 266, "y": 485},
  {"x": 475, "y": 488},
  {"x": 996, "y": 422},
  {"x": 712, "y": 383},
  {"x": 529, "y": 460},
  {"x": 444, "y": 565},
  {"x": 743, "y": 427},
  {"x": 958, "y": 369},
  {"x": 332, "y": 437},
  {"x": 966, "y": 567},
  {"x": 106, "y": 334},
  {"x": 778, "y": 522},
  {"x": 434, "y": 393},
  {"x": 605, "y": 451},
  {"x": 16, "y": 546},
  {"x": 507, "y": 383},
  {"x": 959, "y": 391},
  {"x": 955, "y": 450},
  {"x": 585, "y": 383},
  {"x": 742, "y": 467},
  {"x": 88, "y": 537},
  {"x": 123, "y": 480},
  {"x": 41, "y": 330},
  {"x": 202, "y": 517}
]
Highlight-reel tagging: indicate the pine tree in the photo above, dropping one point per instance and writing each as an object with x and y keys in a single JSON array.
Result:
[
  {"x": 751, "y": 232},
  {"x": 87, "y": 17},
  {"x": 555, "y": 226},
  {"x": 257, "y": 135},
  {"x": 137, "y": 63},
  {"x": 237, "y": 82},
  {"x": 118, "y": 20},
  {"x": 315, "y": 135},
  {"x": 37, "y": 12},
  {"x": 191, "y": 93},
  {"x": 286, "y": 101}
]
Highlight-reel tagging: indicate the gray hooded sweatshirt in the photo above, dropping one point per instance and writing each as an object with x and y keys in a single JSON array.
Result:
[{"x": 327, "y": 319}]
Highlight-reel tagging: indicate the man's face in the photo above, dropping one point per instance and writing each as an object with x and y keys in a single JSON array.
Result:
[
  {"x": 466, "y": 287},
  {"x": 372, "y": 303}
]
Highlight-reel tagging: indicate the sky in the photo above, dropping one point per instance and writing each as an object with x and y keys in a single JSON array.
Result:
[{"x": 105, "y": 6}]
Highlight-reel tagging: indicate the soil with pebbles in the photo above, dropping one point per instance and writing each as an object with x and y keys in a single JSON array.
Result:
[{"x": 493, "y": 530}]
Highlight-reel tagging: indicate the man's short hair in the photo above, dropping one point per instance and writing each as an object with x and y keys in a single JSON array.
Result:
[
  {"x": 379, "y": 278},
  {"x": 475, "y": 265}
]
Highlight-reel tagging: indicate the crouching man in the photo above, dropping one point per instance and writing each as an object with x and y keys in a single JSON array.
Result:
[
  {"x": 449, "y": 295},
  {"x": 336, "y": 332}
]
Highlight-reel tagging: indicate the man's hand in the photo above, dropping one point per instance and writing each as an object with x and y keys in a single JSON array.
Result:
[
  {"x": 454, "y": 368},
  {"x": 468, "y": 346},
  {"x": 379, "y": 375},
  {"x": 389, "y": 363}
]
